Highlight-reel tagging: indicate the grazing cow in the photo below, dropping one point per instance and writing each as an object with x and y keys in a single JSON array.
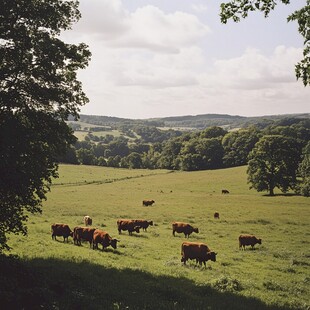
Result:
[
  {"x": 144, "y": 224},
  {"x": 198, "y": 251},
  {"x": 185, "y": 228},
  {"x": 130, "y": 225},
  {"x": 104, "y": 239},
  {"x": 147, "y": 202},
  {"x": 88, "y": 221},
  {"x": 225, "y": 191},
  {"x": 248, "y": 240},
  {"x": 83, "y": 234},
  {"x": 62, "y": 230},
  {"x": 216, "y": 215}
]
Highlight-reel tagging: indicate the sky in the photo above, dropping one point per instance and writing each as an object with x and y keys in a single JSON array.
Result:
[{"x": 160, "y": 58}]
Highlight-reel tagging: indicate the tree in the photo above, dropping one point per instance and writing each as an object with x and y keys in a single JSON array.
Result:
[
  {"x": 237, "y": 9},
  {"x": 273, "y": 162},
  {"x": 134, "y": 160},
  {"x": 213, "y": 132},
  {"x": 38, "y": 91},
  {"x": 85, "y": 157},
  {"x": 237, "y": 146},
  {"x": 304, "y": 171}
]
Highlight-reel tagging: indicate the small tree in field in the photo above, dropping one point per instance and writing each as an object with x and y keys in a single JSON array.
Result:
[
  {"x": 273, "y": 162},
  {"x": 38, "y": 91}
]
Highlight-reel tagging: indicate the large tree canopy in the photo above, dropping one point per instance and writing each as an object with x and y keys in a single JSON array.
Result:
[
  {"x": 38, "y": 91},
  {"x": 273, "y": 162},
  {"x": 237, "y": 9}
]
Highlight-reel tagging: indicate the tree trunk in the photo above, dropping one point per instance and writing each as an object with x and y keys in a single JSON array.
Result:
[{"x": 271, "y": 192}]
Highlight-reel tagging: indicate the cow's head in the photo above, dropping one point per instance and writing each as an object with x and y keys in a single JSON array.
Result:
[
  {"x": 150, "y": 223},
  {"x": 211, "y": 256},
  {"x": 196, "y": 230},
  {"x": 259, "y": 241},
  {"x": 183, "y": 260},
  {"x": 113, "y": 243},
  {"x": 137, "y": 229},
  {"x": 71, "y": 234}
]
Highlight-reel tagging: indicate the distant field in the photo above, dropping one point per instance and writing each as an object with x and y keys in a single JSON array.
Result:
[
  {"x": 81, "y": 134},
  {"x": 145, "y": 271}
]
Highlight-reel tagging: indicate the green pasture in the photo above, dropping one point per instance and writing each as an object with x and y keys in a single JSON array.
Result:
[{"x": 145, "y": 271}]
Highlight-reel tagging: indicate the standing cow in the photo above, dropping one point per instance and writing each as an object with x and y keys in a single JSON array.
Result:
[
  {"x": 198, "y": 251},
  {"x": 130, "y": 225},
  {"x": 104, "y": 239},
  {"x": 88, "y": 221},
  {"x": 216, "y": 215},
  {"x": 245, "y": 240},
  {"x": 144, "y": 224},
  {"x": 83, "y": 234},
  {"x": 148, "y": 202},
  {"x": 185, "y": 228},
  {"x": 62, "y": 230}
]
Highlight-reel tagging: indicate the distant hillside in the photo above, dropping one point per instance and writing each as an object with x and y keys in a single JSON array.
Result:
[{"x": 195, "y": 121}]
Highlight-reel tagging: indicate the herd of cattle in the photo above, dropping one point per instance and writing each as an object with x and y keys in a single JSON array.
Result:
[{"x": 197, "y": 251}]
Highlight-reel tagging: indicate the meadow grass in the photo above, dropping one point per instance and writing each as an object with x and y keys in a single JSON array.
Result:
[{"x": 145, "y": 271}]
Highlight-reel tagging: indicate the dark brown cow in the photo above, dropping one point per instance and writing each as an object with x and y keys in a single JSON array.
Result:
[
  {"x": 104, "y": 239},
  {"x": 144, "y": 224},
  {"x": 225, "y": 191},
  {"x": 148, "y": 202},
  {"x": 251, "y": 240},
  {"x": 185, "y": 228},
  {"x": 83, "y": 234},
  {"x": 62, "y": 230},
  {"x": 130, "y": 225},
  {"x": 88, "y": 221},
  {"x": 216, "y": 215},
  {"x": 198, "y": 251}
]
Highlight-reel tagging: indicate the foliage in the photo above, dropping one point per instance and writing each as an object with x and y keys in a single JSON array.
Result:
[
  {"x": 273, "y": 162},
  {"x": 304, "y": 171},
  {"x": 38, "y": 91},
  {"x": 237, "y": 9},
  {"x": 237, "y": 146}
]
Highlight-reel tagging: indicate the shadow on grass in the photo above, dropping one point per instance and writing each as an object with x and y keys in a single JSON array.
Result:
[
  {"x": 282, "y": 195},
  {"x": 57, "y": 284}
]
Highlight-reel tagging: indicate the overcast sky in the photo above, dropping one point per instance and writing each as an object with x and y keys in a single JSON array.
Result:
[{"x": 173, "y": 57}]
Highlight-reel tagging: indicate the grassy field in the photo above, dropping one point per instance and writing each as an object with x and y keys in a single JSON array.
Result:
[{"x": 145, "y": 271}]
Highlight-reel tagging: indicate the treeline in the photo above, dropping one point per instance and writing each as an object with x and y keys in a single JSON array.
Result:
[
  {"x": 211, "y": 148},
  {"x": 199, "y": 122}
]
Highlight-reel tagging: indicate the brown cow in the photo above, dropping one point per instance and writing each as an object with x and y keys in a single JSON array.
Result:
[
  {"x": 248, "y": 240},
  {"x": 198, "y": 251},
  {"x": 148, "y": 202},
  {"x": 185, "y": 228},
  {"x": 83, "y": 234},
  {"x": 130, "y": 225},
  {"x": 62, "y": 230},
  {"x": 104, "y": 239},
  {"x": 144, "y": 224},
  {"x": 88, "y": 221},
  {"x": 216, "y": 215},
  {"x": 225, "y": 191}
]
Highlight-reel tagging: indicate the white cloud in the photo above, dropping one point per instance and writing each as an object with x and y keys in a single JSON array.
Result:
[
  {"x": 148, "y": 27},
  {"x": 199, "y": 8},
  {"x": 253, "y": 70},
  {"x": 149, "y": 63}
]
